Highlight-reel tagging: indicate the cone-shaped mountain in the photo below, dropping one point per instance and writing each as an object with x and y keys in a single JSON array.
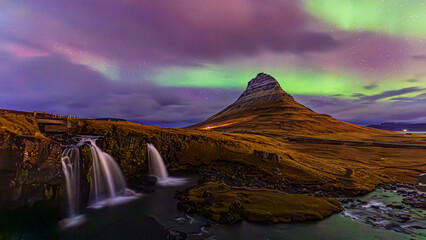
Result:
[{"x": 264, "y": 107}]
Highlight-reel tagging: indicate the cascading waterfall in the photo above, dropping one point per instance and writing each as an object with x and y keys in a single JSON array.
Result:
[
  {"x": 107, "y": 180},
  {"x": 71, "y": 168},
  {"x": 156, "y": 163},
  {"x": 107, "y": 183},
  {"x": 158, "y": 168}
]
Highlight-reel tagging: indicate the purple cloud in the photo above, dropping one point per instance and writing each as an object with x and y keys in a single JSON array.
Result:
[
  {"x": 167, "y": 32},
  {"x": 53, "y": 84},
  {"x": 375, "y": 112},
  {"x": 49, "y": 50},
  {"x": 386, "y": 94}
]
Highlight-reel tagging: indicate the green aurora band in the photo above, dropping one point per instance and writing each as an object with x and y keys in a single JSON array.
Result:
[
  {"x": 291, "y": 80},
  {"x": 398, "y": 17}
]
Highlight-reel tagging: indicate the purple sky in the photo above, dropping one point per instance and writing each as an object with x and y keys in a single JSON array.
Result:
[{"x": 119, "y": 59}]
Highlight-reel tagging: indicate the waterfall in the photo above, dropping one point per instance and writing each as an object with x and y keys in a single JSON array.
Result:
[
  {"x": 156, "y": 163},
  {"x": 71, "y": 168},
  {"x": 158, "y": 168},
  {"x": 107, "y": 183},
  {"x": 107, "y": 180}
]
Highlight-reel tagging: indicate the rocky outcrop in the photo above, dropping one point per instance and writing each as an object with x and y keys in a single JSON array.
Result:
[
  {"x": 261, "y": 88},
  {"x": 30, "y": 167},
  {"x": 226, "y": 204},
  {"x": 30, "y": 170}
]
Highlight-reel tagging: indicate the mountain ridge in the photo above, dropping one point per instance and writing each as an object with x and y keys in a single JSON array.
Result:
[{"x": 265, "y": 108}]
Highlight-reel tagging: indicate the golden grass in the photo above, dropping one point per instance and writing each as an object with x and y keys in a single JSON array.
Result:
[
  {"x": 261, "y": 205},
  {"x": 19, "y": 124},
  {"x": 334, "y": 168}
]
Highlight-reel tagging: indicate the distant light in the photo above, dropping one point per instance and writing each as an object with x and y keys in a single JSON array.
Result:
[{"x": 405, "y": 130}]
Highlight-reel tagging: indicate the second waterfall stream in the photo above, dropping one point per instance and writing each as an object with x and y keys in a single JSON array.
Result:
[{"x": 158, "y": 168}]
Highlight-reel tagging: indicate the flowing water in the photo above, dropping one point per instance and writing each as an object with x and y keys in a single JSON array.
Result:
[
  {"x": 156, "y": 163},
  {"x": 107, "y": 180},
  {"x": 107, "y": 183},
  {"x": 71, "y": 168},
  {"x": 137, "y": 220},
  {"x": 158, "y": 168}
]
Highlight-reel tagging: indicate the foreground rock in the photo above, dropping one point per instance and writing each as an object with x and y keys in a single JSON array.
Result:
[
  {"x": 226, "y": 204},
  {"x": 390, "y": 207},
  {"x": 30, "y": 168}
]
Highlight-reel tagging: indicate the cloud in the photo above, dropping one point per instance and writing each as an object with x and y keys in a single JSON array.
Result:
[
  {"x": 421, "y": 96},
  {"x": 371, "y": 86},
  {"x": 386, "y": 94},
  {"x": 167, "y": 32},
  {"x": 50, "y": 50},
  {"x": 357, "y": 112},
  {"x": 419, "y": 57},
  {"x": 412, "y": 80},
  {"x": 53, "y": 84}
]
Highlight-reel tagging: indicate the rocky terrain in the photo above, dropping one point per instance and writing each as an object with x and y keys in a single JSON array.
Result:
[
  {"x": 226, "y": 204},
  {"x": 243, "y": 150},
  {"x": 30, "y": 167}
]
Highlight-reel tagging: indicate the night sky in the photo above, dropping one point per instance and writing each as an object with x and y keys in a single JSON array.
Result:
[{"x": 176, "y": 62}]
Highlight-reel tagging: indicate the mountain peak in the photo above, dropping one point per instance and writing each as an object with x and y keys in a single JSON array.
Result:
[
  {"x": 262, "y": 77},
  {"x": 261, "y": 87},
  {"x": 263, "y": 80},
  {"x": 264, "y": 107}
]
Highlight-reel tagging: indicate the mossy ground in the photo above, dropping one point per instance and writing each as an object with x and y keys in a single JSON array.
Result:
[{"x": 227, "y": 204}]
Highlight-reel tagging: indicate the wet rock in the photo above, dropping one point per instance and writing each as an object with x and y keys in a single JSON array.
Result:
[
  {"x": 319, "y": 194},
  {"x": 176, "y": 235},
  {"x": 234, "y": 214},
  {"x": 422, "y": 178},
  {"x": 208, "y": 197},
  {"x": 392, "y": 226},
  {"x": 149, "y": 180},
  {"x": 417, "y": 227},
  {"x": 395, "y": 216},
  {"x": 388, "y": 187},
  {"x": 404, "y": 218},
  {"x": 265, "y": 155},
  {"x": 397, "y": 206},
  {"x": 421, "y": 186},
  {"x": 418, "y": 202},
  {"x": 146, "y": 184},
  {"x": 401, "y": 191},
  {"x": 186, "y": 206}
]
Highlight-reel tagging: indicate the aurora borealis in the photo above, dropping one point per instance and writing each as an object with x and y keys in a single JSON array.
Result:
[{"x": 174, "y": 63}]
